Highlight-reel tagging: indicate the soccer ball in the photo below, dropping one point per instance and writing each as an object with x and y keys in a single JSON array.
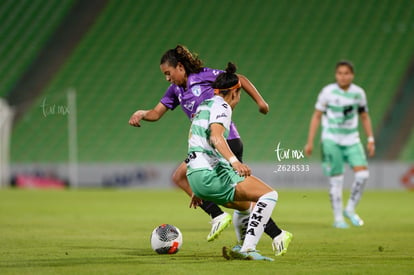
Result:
[{"x": 166, "y": 239}]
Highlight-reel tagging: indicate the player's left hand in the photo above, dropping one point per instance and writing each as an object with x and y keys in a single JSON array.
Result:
[
  {"x": 371, "y": 149},
  {"x": 195, "y": 201},
  {"x": 263, "y": 107}
]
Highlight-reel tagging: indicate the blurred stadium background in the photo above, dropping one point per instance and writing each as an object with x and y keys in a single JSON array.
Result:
[{"x": 74, "y": 71}]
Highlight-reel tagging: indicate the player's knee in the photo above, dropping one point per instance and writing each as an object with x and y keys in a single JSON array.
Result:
[
  {"x": 337, "y": 180},
  {"x": 273, "y": 195},
  {"x": 336, "y": 183},
  {"x": 362, "y": 174}
]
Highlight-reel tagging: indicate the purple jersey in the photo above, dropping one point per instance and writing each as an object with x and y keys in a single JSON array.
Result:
[{"x": 197, "y": 90}]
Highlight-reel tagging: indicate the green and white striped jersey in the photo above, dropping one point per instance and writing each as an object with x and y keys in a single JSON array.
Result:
[
  {"x": 201, "y": 153},
  {"x": 340, "y": 113}
]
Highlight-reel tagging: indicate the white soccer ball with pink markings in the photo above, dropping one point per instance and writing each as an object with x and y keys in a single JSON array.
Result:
[{"x": 166, "y": 239}]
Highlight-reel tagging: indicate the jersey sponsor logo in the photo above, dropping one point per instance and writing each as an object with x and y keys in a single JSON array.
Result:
[
  {"x": 196, "y": 90},
  {"x": 222, "y": 115},
  {"x": 189, "y": 105}
]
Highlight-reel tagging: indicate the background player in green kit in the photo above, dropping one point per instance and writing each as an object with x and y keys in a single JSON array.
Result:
[
  {"x": 339, "y": 105},
  {"x": 216, "y": 174}
]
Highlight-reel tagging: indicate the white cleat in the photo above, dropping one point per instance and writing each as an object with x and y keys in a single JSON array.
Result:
[
  {"x": 218, "y": 224},
  {"x": 354, "y": 218},
  {"x": 281, "y": 242}
]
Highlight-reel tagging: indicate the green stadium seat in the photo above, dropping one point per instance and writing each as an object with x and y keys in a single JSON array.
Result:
[{"x": 288, "y": 49}]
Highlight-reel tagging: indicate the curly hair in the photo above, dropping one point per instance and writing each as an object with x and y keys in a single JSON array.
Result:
[{"x": 180, "y": 54}]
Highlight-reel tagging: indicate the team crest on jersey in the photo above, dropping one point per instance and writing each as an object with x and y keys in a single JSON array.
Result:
[
  {"x": 196, "y": 90},
  {"x": 189, "y": 105}
]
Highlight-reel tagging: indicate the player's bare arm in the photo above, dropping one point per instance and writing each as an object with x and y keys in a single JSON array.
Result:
[
  {"x": 148, "y": 115},
  {"x": 220, "y": 144},
  {"x": 313, "y": 127},
  {"x": 366, "y": 124},
  {"x": 254, "y": 94}
]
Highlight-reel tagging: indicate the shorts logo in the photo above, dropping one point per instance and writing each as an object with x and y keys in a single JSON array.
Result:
[{"x": 196, "y": 90}]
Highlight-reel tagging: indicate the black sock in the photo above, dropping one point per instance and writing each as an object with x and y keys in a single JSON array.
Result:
[
  {"x": 272, "y": 229},
  {"x": 211, "y": 208}
]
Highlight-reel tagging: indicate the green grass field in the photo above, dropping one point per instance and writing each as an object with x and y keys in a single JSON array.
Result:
[{"x": 107, "y": 232}]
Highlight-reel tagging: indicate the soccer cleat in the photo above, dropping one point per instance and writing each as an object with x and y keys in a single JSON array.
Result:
[
  {"x": 218, "y": 224},
  {"x": 281, "y": 243},
  {"x": 236, "y": 248},
  {"x": 340, "y": 224},
  {"x": 226, "y": 251},
  {"x": 354, "y": 218},
  {"x": 253, "y": 255}
]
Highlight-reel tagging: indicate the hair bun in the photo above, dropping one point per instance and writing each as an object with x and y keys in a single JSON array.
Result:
[
  {"x": 226, "y": 79},
  {"x": 231, "y": 68}
]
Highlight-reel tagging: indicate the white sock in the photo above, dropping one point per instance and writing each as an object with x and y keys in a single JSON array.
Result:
[
  {"x": 258, "y": 219},
  {"x": 335, "y": 194},
  {"x": 357, "y": 189},
  {"x": 240, "y": 221}
]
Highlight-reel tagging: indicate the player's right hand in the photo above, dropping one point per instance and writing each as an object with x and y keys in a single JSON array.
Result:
[
  {"x": 308, "y": 149},
  {"x": 136, "y": 118},
  {"x": 242, "y": 169}
]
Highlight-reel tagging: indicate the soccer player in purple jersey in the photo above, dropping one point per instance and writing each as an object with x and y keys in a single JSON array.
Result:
[{"x": 191, "y": 85}]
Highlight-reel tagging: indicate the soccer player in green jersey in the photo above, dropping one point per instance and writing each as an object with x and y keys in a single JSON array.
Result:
[
  {"x": 340, "y": 106},
  {"x": 190, "y": 86},
  {"x": 216, "y": 174}
]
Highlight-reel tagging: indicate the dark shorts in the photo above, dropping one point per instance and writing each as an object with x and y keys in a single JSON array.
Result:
[{"x": 236, "y": 146}]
